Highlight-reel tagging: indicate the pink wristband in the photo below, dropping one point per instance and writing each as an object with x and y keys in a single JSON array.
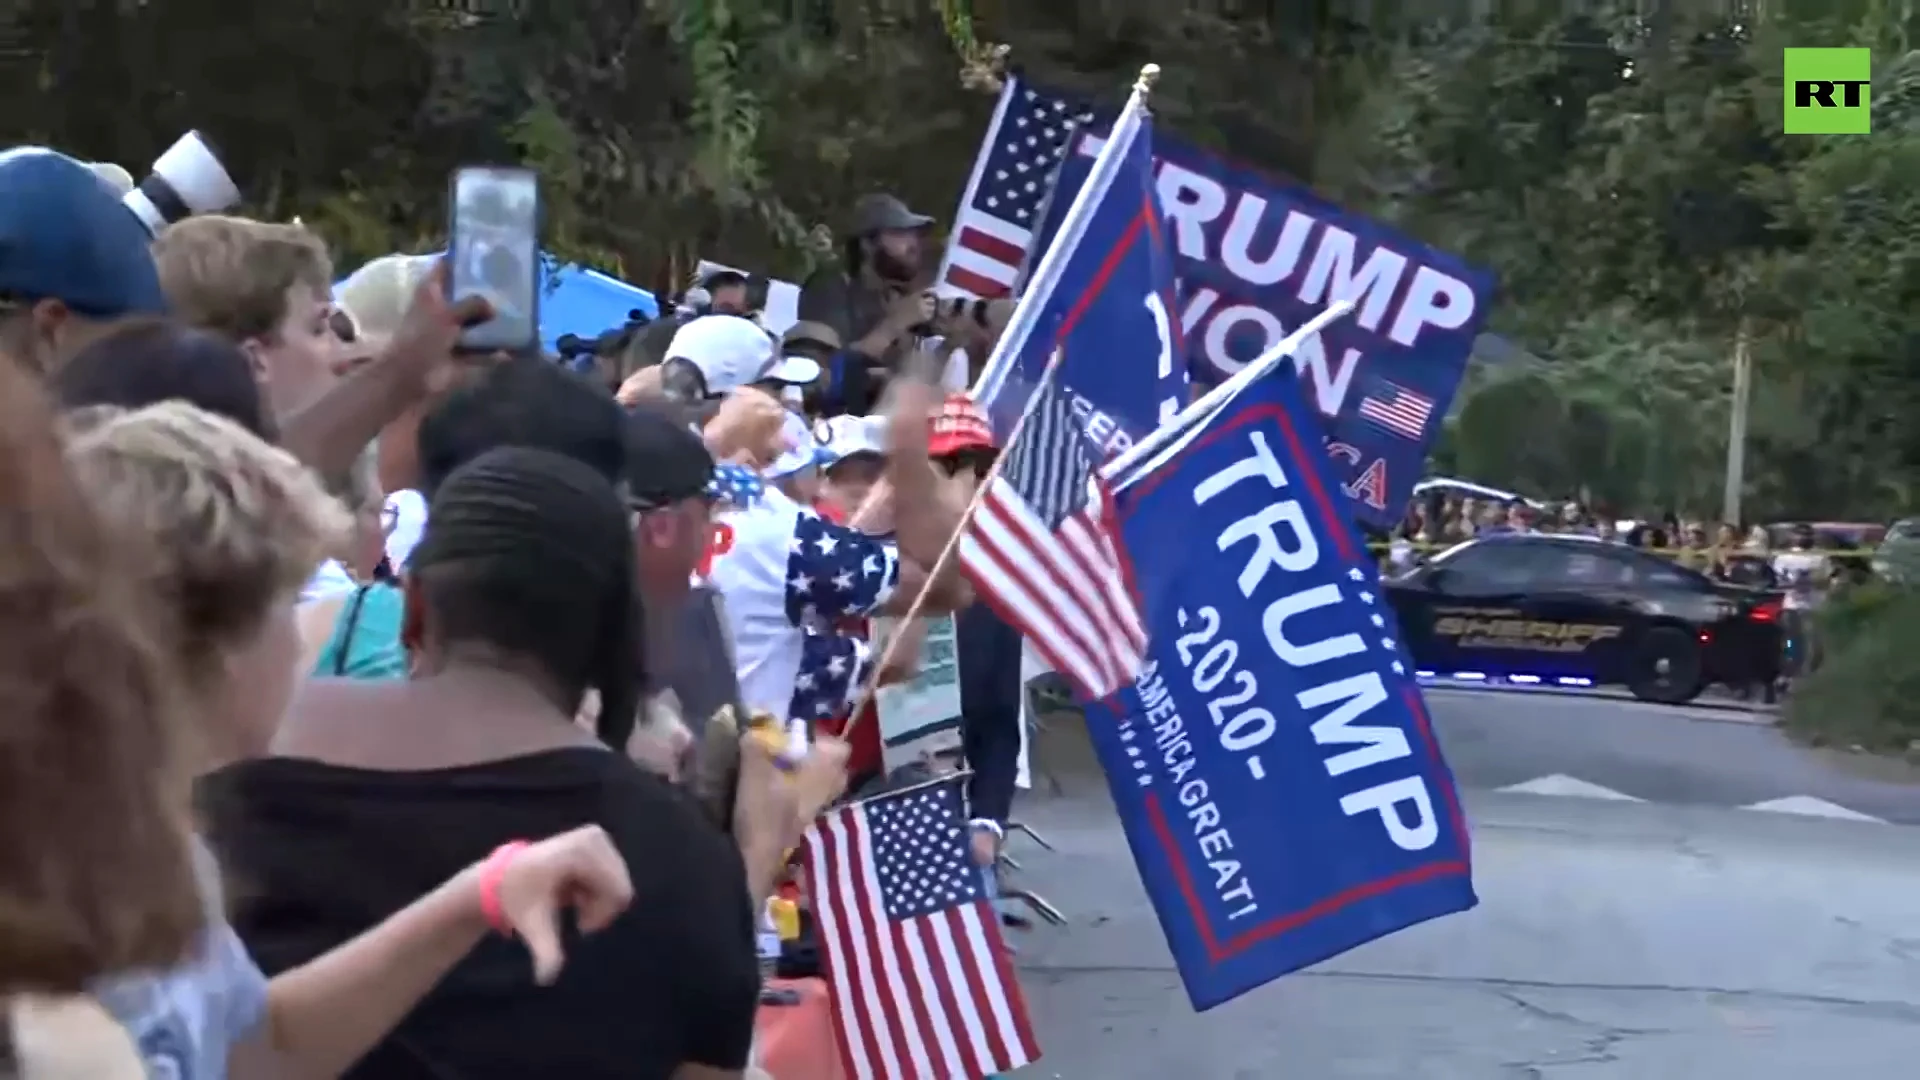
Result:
[{"x": 491, "y": 873}]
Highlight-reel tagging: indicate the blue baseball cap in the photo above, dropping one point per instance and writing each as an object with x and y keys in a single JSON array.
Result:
[{"x": 64, "y": 235}]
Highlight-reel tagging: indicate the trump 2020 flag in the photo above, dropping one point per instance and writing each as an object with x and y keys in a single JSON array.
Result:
[
  {"x": 921, "y": 982},
  {"x": 1256, "y": 256},
  {"x": 1274, "y": 765},
  {"x": 1103, "y": 293}
]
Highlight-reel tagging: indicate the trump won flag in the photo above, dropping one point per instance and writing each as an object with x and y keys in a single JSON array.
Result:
[{"x": 1274, "y": 765}]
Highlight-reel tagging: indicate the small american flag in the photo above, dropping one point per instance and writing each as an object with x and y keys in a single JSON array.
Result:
[
  {"x": 921, "y": 982},
  {"x": 1012, "y": 177},
  {"x": 1396, "y": 408},
  {"x": 1040, "y": 548}
]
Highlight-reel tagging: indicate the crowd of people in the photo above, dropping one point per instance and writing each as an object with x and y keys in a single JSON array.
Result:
[
  {"x": 369, "y": 698},
  {"x": 1796, "y": 557}
]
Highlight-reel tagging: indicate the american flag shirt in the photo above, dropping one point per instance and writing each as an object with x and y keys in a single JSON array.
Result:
[
  {"x": 1012, "y": 179},
  {"x": 789, "y": 577}
]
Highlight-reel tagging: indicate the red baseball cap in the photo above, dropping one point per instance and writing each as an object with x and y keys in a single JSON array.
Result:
[{"x": 959, "y": 425}]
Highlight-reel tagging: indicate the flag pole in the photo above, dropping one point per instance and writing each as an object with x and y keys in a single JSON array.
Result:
[
  {"x": 1052, "y": 263},
  {"x": 1162, "y": 436},
  {"x": 870, "y": 686},
  {"x": 1025, "y": 313}
]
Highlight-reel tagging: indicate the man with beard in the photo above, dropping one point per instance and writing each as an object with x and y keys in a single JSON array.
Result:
[{"x": 876, "y": 301}]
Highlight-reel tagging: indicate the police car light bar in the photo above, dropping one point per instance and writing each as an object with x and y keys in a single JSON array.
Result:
[{"x": 1519, "y": 678}]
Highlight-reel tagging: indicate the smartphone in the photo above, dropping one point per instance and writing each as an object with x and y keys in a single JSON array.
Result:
[{"x": 493, "y": 246}]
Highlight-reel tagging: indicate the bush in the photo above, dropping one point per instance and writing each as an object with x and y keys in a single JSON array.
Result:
[{"x": 1865, "y": 690}]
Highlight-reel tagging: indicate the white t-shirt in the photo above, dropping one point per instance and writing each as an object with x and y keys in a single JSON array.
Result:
[
  {"x": 404, "y": 518},
  {"x": 1797, "y": 571},
  {"x": 789, "y": 576},
  {"x": 330, "y": 580}
]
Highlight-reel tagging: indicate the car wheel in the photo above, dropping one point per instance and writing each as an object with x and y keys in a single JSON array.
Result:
[{"x": 1666, "y": 667}]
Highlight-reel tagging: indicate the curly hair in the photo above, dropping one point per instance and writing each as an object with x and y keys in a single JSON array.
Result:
[{"x": 96, "y": 870}]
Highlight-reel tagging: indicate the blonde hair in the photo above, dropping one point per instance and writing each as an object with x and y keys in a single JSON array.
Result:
[
  {"x": 378, "y": 294},
  {"x": 235, "y": 525},
  {"x": 231, "y": 274}
]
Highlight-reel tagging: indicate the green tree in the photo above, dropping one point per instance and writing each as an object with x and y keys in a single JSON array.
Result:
[{"x": 1627, "y": 181}]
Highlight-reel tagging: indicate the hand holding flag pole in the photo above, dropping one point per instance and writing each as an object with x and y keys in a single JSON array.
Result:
[{"x": 1020, "y": 325}]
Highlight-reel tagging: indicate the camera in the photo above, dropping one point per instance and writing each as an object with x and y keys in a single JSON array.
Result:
[
  {"x": 584, "y": 354},
  {"x": 186, "y": 180},
  {"x": 951, "y": 310},
  {"x": 973, "y": 309}
]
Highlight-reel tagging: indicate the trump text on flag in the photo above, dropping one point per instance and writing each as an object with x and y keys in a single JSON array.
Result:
[
  {"x": 1274, "y": 765},
  {"x": 1260, "y": 243}
]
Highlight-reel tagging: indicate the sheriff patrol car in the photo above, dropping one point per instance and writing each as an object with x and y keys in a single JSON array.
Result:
[{"x": 1573, "y": 610}]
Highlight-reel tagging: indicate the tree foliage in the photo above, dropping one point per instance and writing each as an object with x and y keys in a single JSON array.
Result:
[
  {"x": 1629, "y": 182},
  {"x": 1622, "y": 172},
  {"x": 666, "y": 130}
]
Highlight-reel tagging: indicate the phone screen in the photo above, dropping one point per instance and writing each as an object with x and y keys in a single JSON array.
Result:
[{"x": 494, "y": 251}]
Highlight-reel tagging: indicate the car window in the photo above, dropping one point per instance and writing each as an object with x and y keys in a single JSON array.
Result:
[
  {"x": 1590, "y": 569},
  {"x": 1492, "y": 569},
  {"x": 1663, "y": 574}
]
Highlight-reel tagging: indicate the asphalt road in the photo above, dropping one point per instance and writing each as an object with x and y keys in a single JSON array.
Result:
[
  {"x": 1697, "y": 756},
  {"x": 1678, "y": 938}
]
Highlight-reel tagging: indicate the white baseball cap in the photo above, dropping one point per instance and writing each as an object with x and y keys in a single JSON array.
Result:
[
  {"x": 851, "y": 436},
  {"x": 731, "y": 352}
]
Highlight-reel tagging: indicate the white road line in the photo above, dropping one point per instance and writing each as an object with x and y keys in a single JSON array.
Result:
[
  {"x": 1569, "y": 787},
  {"x": 1808, "y": 806}
]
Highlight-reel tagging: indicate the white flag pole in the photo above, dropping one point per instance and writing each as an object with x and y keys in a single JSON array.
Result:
[
  {"x": 1177, "y": 430},
  {"x": 1046, "y": 275}
]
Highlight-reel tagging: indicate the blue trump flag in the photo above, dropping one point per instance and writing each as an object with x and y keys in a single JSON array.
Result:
[
  {"x": 1105, "y": 300},
  {"x": 1274, "y": 765},
  {"x": 1256, "y": 256}
]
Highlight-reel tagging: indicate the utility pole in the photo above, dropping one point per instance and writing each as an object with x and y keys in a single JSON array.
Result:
[{"x": 1737, "y": 425}]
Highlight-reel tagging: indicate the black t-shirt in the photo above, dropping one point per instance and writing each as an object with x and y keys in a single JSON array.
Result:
[{"x": 315, "y": 854}]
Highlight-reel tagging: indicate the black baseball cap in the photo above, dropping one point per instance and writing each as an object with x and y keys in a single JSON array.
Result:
[
  {"x": 523, "y": 401},
  {"x": 883, "y": 213},
  {"x": 667, "y": 462}
]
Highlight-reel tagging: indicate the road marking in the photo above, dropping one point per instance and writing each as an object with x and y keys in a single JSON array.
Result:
[
  {"x": 1569, "y": 787},
  {"x": 1808, "y": 806}
]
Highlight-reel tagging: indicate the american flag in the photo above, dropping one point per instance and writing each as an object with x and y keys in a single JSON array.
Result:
[
  {"x": 1396, "y": 408},
  {"x": 922, "y": 985},
  {"x": 1012, "y": 177},
  {"x": 1041, "y": 549}
]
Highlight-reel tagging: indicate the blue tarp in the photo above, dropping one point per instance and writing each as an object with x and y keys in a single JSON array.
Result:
[
  {"x": 586, "y": 302},
  {"x": 582, "y": 301}
]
